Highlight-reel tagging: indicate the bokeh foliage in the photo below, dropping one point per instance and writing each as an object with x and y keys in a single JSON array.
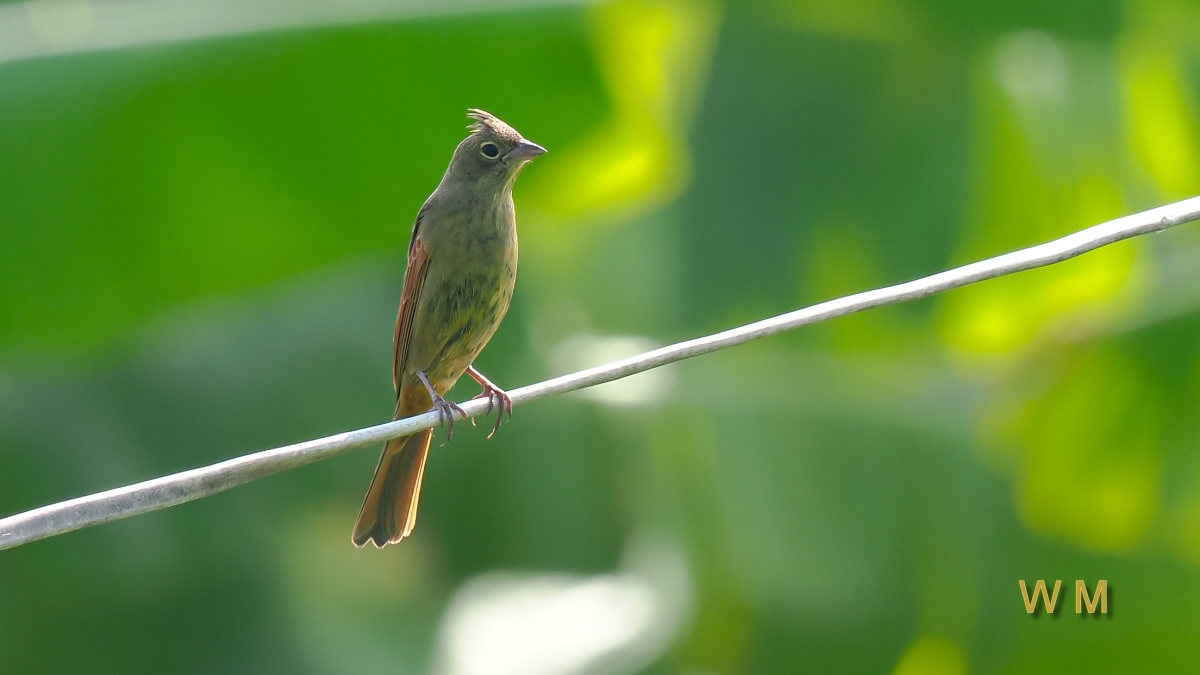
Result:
[{"x": 201, "y": 249}]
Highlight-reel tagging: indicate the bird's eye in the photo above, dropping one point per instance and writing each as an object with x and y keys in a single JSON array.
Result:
[{"x": 489, "y": 150}]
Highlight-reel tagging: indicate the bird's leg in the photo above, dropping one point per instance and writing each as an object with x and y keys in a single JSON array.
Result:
[
  {"x": 495, "y": 395},
  {"x": 445, "y": 409}
]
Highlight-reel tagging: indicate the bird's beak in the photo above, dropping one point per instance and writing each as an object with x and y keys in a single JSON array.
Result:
[{"x": 524, "y": 152}]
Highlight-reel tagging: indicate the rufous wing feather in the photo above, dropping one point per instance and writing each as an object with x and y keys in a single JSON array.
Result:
[{"x": 414, "y": 281}]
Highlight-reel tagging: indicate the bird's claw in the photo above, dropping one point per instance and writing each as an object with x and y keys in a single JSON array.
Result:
[
  {"x": 445, "y": 410},
  {"x": 497, "y": 398}
]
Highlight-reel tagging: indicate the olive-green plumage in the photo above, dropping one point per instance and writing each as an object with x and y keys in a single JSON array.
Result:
[{"x": 462, "y": 266}]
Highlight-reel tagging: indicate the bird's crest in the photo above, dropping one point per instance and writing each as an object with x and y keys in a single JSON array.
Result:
[{"x": 486, "y": 121}]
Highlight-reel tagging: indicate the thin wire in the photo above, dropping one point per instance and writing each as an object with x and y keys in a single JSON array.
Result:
[{"x": 186, "y": 486}]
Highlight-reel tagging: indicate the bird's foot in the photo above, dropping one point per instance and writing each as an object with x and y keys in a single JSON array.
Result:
[
  {"x": 446, "y": 410},
  {"x": 497, "y": 398}
]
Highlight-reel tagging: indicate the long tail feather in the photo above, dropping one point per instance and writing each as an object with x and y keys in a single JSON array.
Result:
[{"x": 389, "y": 513}]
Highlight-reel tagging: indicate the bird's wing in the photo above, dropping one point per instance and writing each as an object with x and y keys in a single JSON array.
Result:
[{"x": 414, "y": 280}]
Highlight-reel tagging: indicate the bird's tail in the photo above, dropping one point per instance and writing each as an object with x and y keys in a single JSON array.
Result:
[{"x": 389, "y": 512}]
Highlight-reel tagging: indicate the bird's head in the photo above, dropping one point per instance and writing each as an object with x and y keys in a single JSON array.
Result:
[{"x": 493, "y": 153}]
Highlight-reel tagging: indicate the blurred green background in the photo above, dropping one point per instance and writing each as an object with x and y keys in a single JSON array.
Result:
[{"x": 204, "y": 208}]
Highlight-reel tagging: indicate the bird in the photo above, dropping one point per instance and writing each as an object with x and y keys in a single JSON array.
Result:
[{"x": 462, "y": 268}]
